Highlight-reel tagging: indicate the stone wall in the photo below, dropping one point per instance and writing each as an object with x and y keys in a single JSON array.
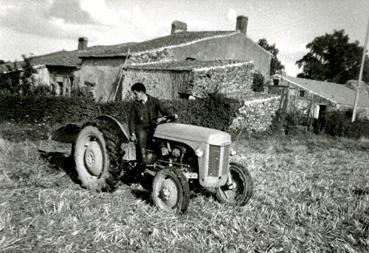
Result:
[
  {"x": 233, "y": 81},
  {"x": 256, "y": 114}
]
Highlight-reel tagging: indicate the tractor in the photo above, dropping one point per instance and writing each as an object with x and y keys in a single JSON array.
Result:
[{"x": 195, "y": 157}]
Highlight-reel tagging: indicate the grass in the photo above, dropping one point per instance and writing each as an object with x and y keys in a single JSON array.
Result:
[{"x": 311, "y": 194}]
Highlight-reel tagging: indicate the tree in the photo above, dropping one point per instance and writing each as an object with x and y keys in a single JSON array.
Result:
[
  {"x": 333, "y": 58},
  {"x": 18, "y": 79},
  {"x": 275, "y": 64}
]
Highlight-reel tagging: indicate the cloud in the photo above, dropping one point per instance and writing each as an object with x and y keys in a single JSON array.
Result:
[
  {"x": 34, "y": 18},
  {"x": 102, "y": 22},
  {"x": 99, "y": 11},
  {"x": 70, "y": 11}
]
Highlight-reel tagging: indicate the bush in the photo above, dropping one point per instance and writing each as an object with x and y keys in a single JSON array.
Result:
[
  {"x": 258, "y": 82},
  {"x": 42, "y": 90},
  {"x": 288, "y": 122},
  {"x": 214, "y": 111},
  {"x": 335, "y": 123},
  {"x": 338, "y": 123}
]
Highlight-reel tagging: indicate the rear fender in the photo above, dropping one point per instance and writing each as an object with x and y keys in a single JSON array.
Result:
[
  {"x": 69, "y": 132},
  {"x": 122, "y": 128}
]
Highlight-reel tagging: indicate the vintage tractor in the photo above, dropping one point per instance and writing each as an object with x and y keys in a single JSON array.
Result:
[{"x": 194, "y": 157}]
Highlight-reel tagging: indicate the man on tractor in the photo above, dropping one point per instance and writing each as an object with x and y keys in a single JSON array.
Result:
[{"x": 143, "y": 117}]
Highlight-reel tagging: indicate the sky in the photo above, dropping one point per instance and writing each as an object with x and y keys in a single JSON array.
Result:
[{"x": 34, "y": 27}]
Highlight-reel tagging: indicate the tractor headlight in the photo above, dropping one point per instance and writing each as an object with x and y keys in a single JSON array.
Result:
[
  {"x": 199, "y": 152},
  {"x": 176, "y": 152}
]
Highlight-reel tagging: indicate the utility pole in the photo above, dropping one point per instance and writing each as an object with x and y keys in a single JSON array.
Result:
[{"x": 361, "y": 73}]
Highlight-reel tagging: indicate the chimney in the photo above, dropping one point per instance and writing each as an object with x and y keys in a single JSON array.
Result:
[
  {"x": 178, "y": 26},
  {"x": 82, "y": 43},
  {"x": 241, "y": 24}
]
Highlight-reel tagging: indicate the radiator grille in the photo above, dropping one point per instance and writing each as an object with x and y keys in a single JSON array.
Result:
[
  {"x": 225, "y": 159},
  {"x": 215, "y": 161},
  {"x": 214, "y": 157}
]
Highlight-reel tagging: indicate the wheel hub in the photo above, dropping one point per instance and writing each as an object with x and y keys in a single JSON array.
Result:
[
  {"x": 93, "y": 158},
  {"x": 90, "y": 158},
  {"x": 169, "y": 193}
]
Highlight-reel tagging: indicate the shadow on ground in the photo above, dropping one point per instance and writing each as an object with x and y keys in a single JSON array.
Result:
[
  {"x": 62, "y": 161},
  {"x": 65, "y": 162}
]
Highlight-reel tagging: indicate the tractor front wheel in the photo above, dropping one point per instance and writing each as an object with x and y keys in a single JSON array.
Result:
[
  {"x": 238, "y": 189},
  {"x": 171, "y": 191}
]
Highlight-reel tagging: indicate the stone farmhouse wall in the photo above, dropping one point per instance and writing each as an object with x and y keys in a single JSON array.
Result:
[
  {"x": 256, "y": 114},
  {"x": 234, "y": 81}
]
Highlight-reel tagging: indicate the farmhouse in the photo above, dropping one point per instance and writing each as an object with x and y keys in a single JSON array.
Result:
[
  {"x": 176, "y": 65},
  {"x": 314, "y": 98}
]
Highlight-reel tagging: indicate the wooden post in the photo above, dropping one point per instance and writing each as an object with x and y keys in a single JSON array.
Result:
[
  {"x": 361, "y": 73},
  {"x": 121, "y": 75}
]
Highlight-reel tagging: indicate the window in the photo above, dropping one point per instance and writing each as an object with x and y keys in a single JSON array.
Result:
[
  {"x": 302, "y": 93},
  {"x": 275, "y": 82}
]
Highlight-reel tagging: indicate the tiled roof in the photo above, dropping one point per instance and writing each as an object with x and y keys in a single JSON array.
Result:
[
  {"x": 186, "y": 65},
  {"x": 60, "y": 58},
  {"x": 337, "y": 93},
  {"x": 70, "y": 58},
  {"x": 172, "y": 40}
]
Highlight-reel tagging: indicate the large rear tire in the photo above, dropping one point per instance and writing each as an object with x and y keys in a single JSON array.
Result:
[
  {"x": 97, "y": 154},
  {"x": 238, "y": 191},
  {"x": 171, "y": 191}
]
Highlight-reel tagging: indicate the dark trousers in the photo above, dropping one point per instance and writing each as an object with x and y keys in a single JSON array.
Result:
[{"x": 144, "y": 138}]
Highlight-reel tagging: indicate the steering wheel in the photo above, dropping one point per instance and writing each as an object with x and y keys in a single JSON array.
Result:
[{"x": 166, "y": 119}]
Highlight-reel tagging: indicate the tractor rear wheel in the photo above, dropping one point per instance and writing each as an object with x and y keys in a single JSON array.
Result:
[
  {"x": 97, "y": 154},
  {"x": 171, "y": 191},
  {"x": 238, "y": 190}
]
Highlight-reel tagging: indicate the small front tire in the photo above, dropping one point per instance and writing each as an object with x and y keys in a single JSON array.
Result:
[
  {"x": 238, "y": 190},
  {"x": 171, "y": 191}
]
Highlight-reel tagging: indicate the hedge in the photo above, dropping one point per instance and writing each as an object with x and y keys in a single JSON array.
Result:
[
  {"x": 338, "y": 123},
  {"x": 215, "y": 111}
]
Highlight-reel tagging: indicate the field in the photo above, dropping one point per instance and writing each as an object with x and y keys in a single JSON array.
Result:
[{"x": 311, "y": 194}]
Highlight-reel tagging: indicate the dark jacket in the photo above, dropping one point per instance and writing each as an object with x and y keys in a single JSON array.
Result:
[{"x": 144, "y": 115}]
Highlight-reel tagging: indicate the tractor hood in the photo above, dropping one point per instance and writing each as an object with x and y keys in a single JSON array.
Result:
[{"x": 178, "y": 132}]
